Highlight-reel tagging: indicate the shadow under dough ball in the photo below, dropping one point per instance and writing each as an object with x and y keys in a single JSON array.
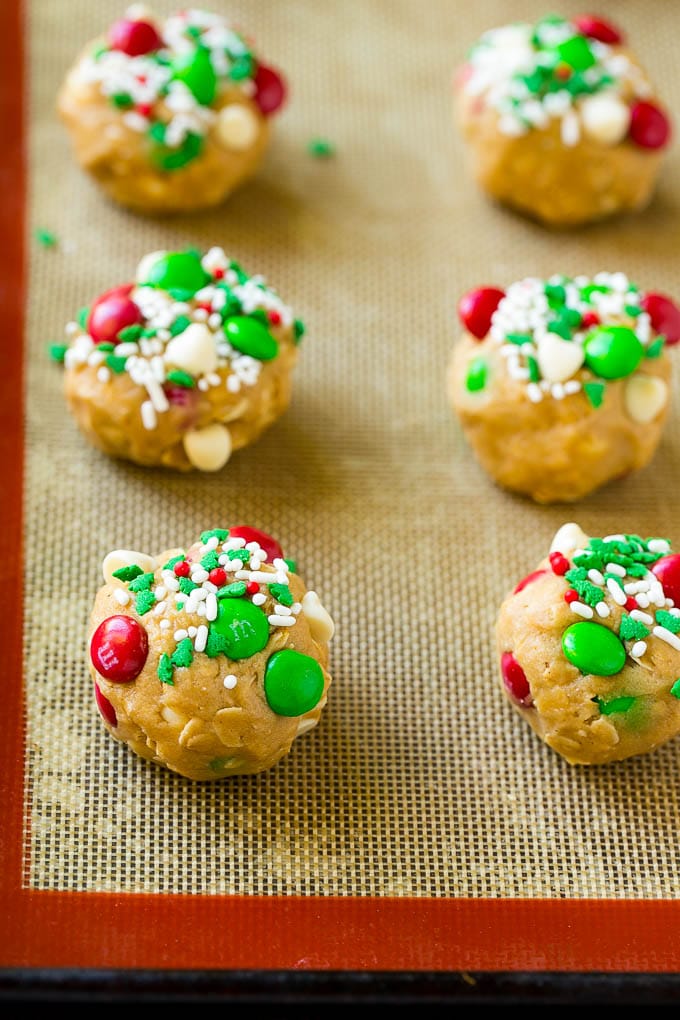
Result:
[
  {"x": 560, "y": 120},
  {"x": 170, "y": 115}
]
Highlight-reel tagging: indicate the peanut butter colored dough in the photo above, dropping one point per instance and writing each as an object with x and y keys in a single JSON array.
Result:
[
  {"x": 210, "y": 717},
  {"x": 539, "y": 417},
  {"x": 587, "y": 716},
  {"x": 566, "y": 139},
  {"x": 158, "y": 133},
  {"x": 184, "y": 396}
]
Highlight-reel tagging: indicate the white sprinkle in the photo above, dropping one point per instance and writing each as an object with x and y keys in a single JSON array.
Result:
[
  {"x": 215, "y": 320},
  {"x": 124, "y": 350},
  {"x": 616, "y": 592},
  {"x": 201, "y": 638},
  {"x": 230, "y": 681},
  {"x": 103, "y": 374},
  {"x": 289, "y": 621},
  {"x": 149, "y": 420},
  {"x": 203, "y": 385},
  {"x": 200, "y": 609},
  {"x": 659, "y": 545},
  {"x": 534, "y": 393},
  {"x": 160, "y": 592},
  {"x": 259, "y": 599},
  {"x": 572, "y": 386},
  {"x": 674, "y": 611},
  {"x": 296, "y": 608},
  {"x": 212, "y": 543},
  {"x": 614, "y": 538},
  {"x": 282, "y": 610},
  {"x": 193, "y": 631},
  {"x": 571, "y": 128},
  {"x": 633, "y": 587},
  {"x": 180, "y": 634},
  {"x": 281, "y": 577},
  {"x": 234, "y": 543},
  {"x": 191, "y": 604},
  {"x": 199, "y": 575},
  {"x": 210, "y": 607},
  {"x": 642, "y": 600},
  {"x": 165, "y": 624},
  {"x": 638, "y": 649},
  {"x": 121, "y": 596},
  {"x": 281, "y": 564},
  {"x": 602, "y": 609},
  {"x": 170, "y": 581},
  {"x": 209, "y": 586},
  {"x": 616, "y": 568},
  {"x": 160, "y": 608},
  {"x": 663, "y": 634},
  {"x": 596, "y": 577},
  {"x": 200, "y": 315},
  {"x": 263, "y": 577},
  {"x": 582, "y": 610}
]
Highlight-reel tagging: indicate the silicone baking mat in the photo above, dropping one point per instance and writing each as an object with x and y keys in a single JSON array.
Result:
[{"x": 421, "y": 825}]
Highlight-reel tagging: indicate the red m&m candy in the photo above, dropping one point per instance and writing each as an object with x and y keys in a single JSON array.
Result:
[
  {"x": 269, "y": 544},
  {"x": 665, "y": 316},
  {"x": 476, "y": 308},
  {"x": 528, "y": 579},
  {"x": 270, "y": 89},
  {"x": 649, "y": 128},
  {"x": 134, "y": 37},
  {"x": 667, "y": 571},
  {"x": 118, "y": 648},
  {"x": 597, "y": 28},
  {"x": 105, "y": 707},
  {"x": 514, "y": 679},
  {"x": 111, "y": 312}
]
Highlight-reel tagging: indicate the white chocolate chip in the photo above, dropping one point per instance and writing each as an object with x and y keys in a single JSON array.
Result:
[
  {"x": 172, "y": 717},
  {"x": 605, "y": 117},
  {"x": 568, "y": 539},
  {"x": 305, "y": 725},
  {"x": 321, "y": 625},
  {"x": 193, "y": 351},
  {"x": 144, "y": 267},
  {"x": 645, "y": 396},
  {"x": 237, "y": 127},
  {"x": 209, "y": 448},
  {"x": 125, "y": 558},
  {"x": 558, "y": 359}
]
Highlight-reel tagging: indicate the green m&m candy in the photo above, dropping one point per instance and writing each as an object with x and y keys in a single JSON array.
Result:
[
  {"x": 293, "y": 682},
  {"x": 243, "y": 626},
  {"x": 178, "y": 270},
  {"x": 250, "y": 336},
  {"x": 593, "y": 648},
  {"x": 613, "y": 352},
  {"x": 196, "y": 71}
]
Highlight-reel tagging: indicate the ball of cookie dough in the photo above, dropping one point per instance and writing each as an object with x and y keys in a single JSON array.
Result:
[
  {"x": 186, "y": 364},
  {"x": 563, "y": 385},
  {"x": 560, "y": 121},
  {"x": 170, "y": 115},
  {"x": 588, "y": 646},
  {"x": 209, "y": 660}
]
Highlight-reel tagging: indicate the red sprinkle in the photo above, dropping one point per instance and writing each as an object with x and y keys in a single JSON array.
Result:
[
  {"x": 218, "y": 576},
  {"x": 205, "y": 305},
  {"x": 528, "y": 579},
  {"x": 218, "y": 274},
  {"x": 598, "y": 28},
  {"x": 649, "y": 128},
  {"x": 559, "y": 563},
  {"x": 145, "y": 109},
  {"x": 631, "y": 603},
  {"x": 514, "y": 679},
  {"x": 118, "y": 648},
  {"x": 563, "y": 72},
  {"x": 274, "y": 317},
  {"x": 105, "y": 707},
  {"x": 252, "y": 587},
  {"x": 182, "y": 568},
  {"x": 665, "y": 316},
  {"x": 570, "y": 595},
  {"x": 590, "y": 319},
  {"x": 476, "y": 308}
]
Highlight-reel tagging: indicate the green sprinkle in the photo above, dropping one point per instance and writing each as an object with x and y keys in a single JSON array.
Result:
[
  {"x": 534, "y": 370},
  {"x": 165, "y": 670},
  {"x": 180, "y": 378},
  {"x": 594, "y": 391},
  {"x": 561, "y": 328},
  {"x": 142, "y": 582},
  {"x": 116, "y": 363},
  {"x": 179, "y": 325},
  {"x": 593, "y": 288},
  {"x": 128, "y": 334},
  {"x": 476, "y": 375},
  {"x": 127, "y": 573},
  {"x": 292, "y": 565},
  {"x": 181, "y": 293},
  {"x": 261, "y": 316},
  {"x": 175, "y": 159},
  {"x": 210, "y": 560},
  {"x": 122, "y": 100},
  {"x": 144, "y": 601},
  {"x": 239, "y": 554},
  {"x": 632, "y": 630},
  {"x": 675, "y": 689},
  {"x": 667, "y": 620},
  {"x": 221, "y": 534},
  {"x": 320, "y": 148},
  {"x": 587, "y": 591},
  {"x": 45, "y": 238},
  {"x": 633, "y": 310},
  {"x": 82, "y": 316},
  {"x": 282, "y": 594},
  {"x": 106, "y": 346},
  {"x": 654, "y": 350},
  {"x": 219, "y": 764},
  {"x": 232, "y": 591},
  {"x": 186, "y": 585},
  {"x": 149, "y": 333},
  {"x": 615, "y": 706},
  {"x": 183, "y": 655},
  {"x": 243, "y": 67},
  {"x": 555, "y": 293},
  {"x": 216, "y": 644},
  {"x": 299, "y": 329},
  {"x": 171, "y": 562},
  {"x": 57, "y": 352},
  {"x": 518, "y": 338}
]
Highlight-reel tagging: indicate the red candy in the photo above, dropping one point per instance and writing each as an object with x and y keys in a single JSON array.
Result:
[
  {"x": 514, "y": 679},
  {"x": 589, "y": 320},
  {"x": 119, "y": 648},
  {"x": 218, "y": 576},
  {"x": 252, "y": 587},
  {"x": 559, "y": 563},
  {"x": 134, "y": 37},
  {"x": 269, "y": 544},
  {"x": 274, "y": 317},
  {"x": 270, "y": 90},
  {"x": 528, "y": 579},
  {"x": 667, "y": 570},
  {"x": 182, "y": 568},
  {"x": 665, "y": 316},
  {"x": 598, "y": 28},
  {"x": 476, "y": 308},
  {"x": 111, "y": 312},
  {"x": 105, "y": 707},
  {"x": 570, "y": 596},
  {"x": 649, "y": 128},
  {"x": 630, "y": 604}
]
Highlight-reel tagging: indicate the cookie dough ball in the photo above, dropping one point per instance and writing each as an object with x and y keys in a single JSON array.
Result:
[
  {"x": 212, "y": 660},
  {"x": 170, "y": 115},
  {"x": 589, "y": 646},
  {"x": 561, "y": 121},
  {"x": 563, "y": 385},
  {"x": 188, "y": 363}
]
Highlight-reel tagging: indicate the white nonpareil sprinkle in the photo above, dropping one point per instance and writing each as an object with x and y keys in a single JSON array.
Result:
[
  {"x": 638, "y": 649},
  {"x": 103, "y": 374},
  {"x": 201, "y": 638},
  {"x": 666, "y": 635},
  {"x": 180, "y": 635},
  {"x": 121, "y": 596},
  {"x": 602, "y": 610},
  {"x": 581, "y": 609},
  {"x": 148, "y": 413},
  {"x": 282, "y": 610},
  {"x": 261, "y": 576},
  {"x": 160, "y": 608},
  {"x": 199, "y": 575},
  {"x": 192, "y": 632},
  {"x": 259, "y": 599},
  {"x": 165, "y": 625},
  {"x": 211, "y": 607},
  {"x": 596, "y": 577},
  {"x": 230, "y": 681},
  {"x": 284, "y": 621},
  {"x": 658, "y": 545},
  {"x": 616, "y": 568},
  {"x": 616, "y": 592}
]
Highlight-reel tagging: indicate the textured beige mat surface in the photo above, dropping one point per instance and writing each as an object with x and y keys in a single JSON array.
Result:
[{"x": 419, "y": 780}]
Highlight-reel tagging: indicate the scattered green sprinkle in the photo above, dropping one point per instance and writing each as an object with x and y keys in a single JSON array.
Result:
[
  {"x": 171, "y": 562},
  {"x": 320, "y": 148},
  {"x": 210, "y": 560},
  {"x": 667, "y": 620},
  {"x": 128, "y": 334},
  {"x": 632, "y": 630},
  {"x": 142, "y": 582},
  {"x": 45, "y": 238},
  {"x": 106, "y": 347},
  {"x": 282, "y": 594},
  {"x": 144, "y": 601},
  {"x": 534, "y": 370},
  {"x": 165, "y": 670},
  {"x": 186, "y": 585},
  {"x": 518, "y": 338},
  {"x": 179, "y": 325},
  {"x": 587, "y": 591},
  {"x": 243, "y": 67},
  {"x": 292, "y": 565},
  {"x": 654, "y": 350},
  {"x": 57, "y": 352},
  {"x": 122, "y": 100},
  {"x": 116, "y": 363},
  {"x": 594, "y": 391},
  {"x": 219, "y": 764},
  {"x": 82, "y": 316},
  {"x": 221, "y": 534},
  {"x": 183, "y": 655},
  {"x": 127, "y": 573},
  {"x": 299, "y": 329},
  {"x": 239, "y": 554},
  {"x": 615, "y": 705},
  {"x": 675, "y": 689},
  {"x": 180, "y": 378},
  {"x": 232, "y": 591},
  {"x": 216, "y": 644},
  {"x": 476, "y": 377}
]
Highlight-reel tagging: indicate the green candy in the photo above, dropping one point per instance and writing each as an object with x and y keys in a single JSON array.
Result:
[
  {"x": 593, "y": 648},
  {"x": 178, "y": 269},
  {"x": 293, "y": 682},
  {"x": 477, "y": 372},
  {"x": 250, "y": 337},
  {"x": 196, "y": 71},
  {"x": 576, "y": 52},
  {"x": 613, "y": 352},
  {"x": 243, "y": 626}
]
